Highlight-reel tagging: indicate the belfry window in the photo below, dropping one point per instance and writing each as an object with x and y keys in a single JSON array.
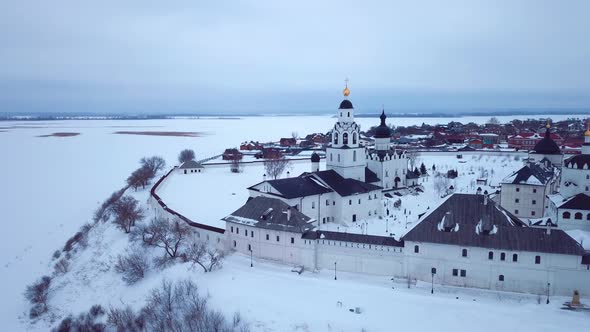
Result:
[
  {"x": 345, "y": 138},
  {"x": 354, "y": 138},
  {"x": 335, "y": 138},
  {"x": 353, "y": 155}
]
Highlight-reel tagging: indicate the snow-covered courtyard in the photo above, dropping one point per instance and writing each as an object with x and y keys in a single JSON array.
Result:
[{"x": 52, "y": 185}]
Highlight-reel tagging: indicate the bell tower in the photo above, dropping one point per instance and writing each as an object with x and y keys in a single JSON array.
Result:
[{"x": 345, "y": 155}]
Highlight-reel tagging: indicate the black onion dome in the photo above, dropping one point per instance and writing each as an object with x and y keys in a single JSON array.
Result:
[
  {"x": 382, "y": 130},
  {"x": 547, "y": 145},
  {"x": 315, "y": 158},
  {"x": 345, "y": 105}
]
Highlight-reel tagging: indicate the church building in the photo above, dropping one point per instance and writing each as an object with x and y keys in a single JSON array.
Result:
[{"x": 350, "y": 188}]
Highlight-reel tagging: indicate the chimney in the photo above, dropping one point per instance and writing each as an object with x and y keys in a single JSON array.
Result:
[
  {"x": 485, "y": 199},
  {"x": 264, "y": 177},
  {"x": 289, "y": 213},
  {"x": 548, "y": 230}
]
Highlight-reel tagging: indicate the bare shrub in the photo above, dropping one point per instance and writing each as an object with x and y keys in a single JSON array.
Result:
[
  {"x": 274, "y": 167},
  {"x": 127, "y": 213},
  {"x": 124, "y": 320},
  {"x": 78, "y": 237},
  {"x": 180, "y": 307},
  {"x": 37, "y": 294},
  {"x": 56, "y": 254},
  {"x": 62, "y": 266},
  {"x": 84, "y": 322},
  {"x": 133, "y": 266}
]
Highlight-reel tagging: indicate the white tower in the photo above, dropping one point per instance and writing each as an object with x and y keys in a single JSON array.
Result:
[
  {"x": 345, "y": 155},
  {"x": 315, "y": 162}
]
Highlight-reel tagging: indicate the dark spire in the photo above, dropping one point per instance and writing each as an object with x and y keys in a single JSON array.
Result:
[{"x": 383, "y": 117}]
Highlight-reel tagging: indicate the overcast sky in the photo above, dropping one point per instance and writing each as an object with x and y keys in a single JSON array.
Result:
[{"x": 292, "y": 56}]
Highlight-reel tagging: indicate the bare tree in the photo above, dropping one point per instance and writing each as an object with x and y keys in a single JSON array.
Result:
[
  {"x": 294, "y": 135},
  {"x": 186, "y": 155},
  {"x": 170, "y": 236},
  {"x": 153, "y": 165},
  {"x": 208, "y": 258},
  {"x": 235, "y": 166},
  {"x": 275, "y": 166},
  {"x": 132, "y": 266},
  {"x": 127, "y": 212},
  {"x": 494, "y": 121}
]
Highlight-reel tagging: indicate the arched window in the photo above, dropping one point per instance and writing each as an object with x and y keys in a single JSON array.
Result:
[
  {"x": 335, "y": 138},
  {"x": 503, "y": 256},
  {"x": 339, "y": 157},
  {"x": 491, "y": 255},
  {"x": 345, "y": 138},
  {"x": 416, "y": 249},
  {"x": 464, "y": 253},
  {"x": 501, "y": 277},
  {"x": 331, "y": 159},
  {"x": 354, "y": 138},
  {"x": 515, "y": 257},
  {"x": 588, "y": 216},
  {"x": 353, "y": 155},
  {"x": 566, "y": 215},
  {"x": 578, "y": 216}
]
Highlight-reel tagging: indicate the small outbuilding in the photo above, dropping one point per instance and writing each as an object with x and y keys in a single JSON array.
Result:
[{"x": 191, "y": 166}]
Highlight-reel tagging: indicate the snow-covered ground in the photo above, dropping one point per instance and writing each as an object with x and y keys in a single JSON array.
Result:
[
  {"x": 51, "y": 186},
  {"x": 217, "y": 192}
]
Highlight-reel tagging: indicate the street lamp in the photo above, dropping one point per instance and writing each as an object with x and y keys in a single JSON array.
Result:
[
  {"x": 386, "y": 225},
  {"x": 334, "y": 270},
  {"x": 548, "y": 286},
  {"x": 251, "y": 264},
  {"x": 433, "y": 271}
]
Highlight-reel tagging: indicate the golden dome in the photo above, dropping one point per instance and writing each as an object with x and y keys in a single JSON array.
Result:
[
  {"x": 548, "y": 125},
  {"x": 587, "y": 133},
  {"x": 346, "y": 92}
]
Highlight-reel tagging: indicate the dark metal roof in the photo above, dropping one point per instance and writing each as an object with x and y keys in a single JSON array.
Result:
[
  {"x": 345, "y": 104},
  {"x": 297, "y": 187},
  {"x": 579, "y": 161},
  {"x": 586, "y": 259},
  {"x": 344, "y": 187},
  {"x": 508, "y": 233},
  {"x": 411, "y": 175},
  {"x": 382, "y": 131},
  {"x": 191, "y": 164},
  {"x": 370, "y": 176},
  {"x": 547, "y": 145},
  {"x": 351, "y": 237},
  {"x": 271, "y": 213},
  {"x": 578, "y": 202},
  {"x": 538, "y": 171}
]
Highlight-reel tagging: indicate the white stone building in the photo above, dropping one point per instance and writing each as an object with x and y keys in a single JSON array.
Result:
[
  {"x": 388, "y": 164},
  {"x": 572, "y": 205},
  {"x": 524, "y": 192}
]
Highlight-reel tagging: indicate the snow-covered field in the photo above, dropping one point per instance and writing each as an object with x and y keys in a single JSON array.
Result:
[{"x": 51, "y": 186}]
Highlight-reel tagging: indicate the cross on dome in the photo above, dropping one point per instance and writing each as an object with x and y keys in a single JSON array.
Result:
[{"x": 346, "y": 91}]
